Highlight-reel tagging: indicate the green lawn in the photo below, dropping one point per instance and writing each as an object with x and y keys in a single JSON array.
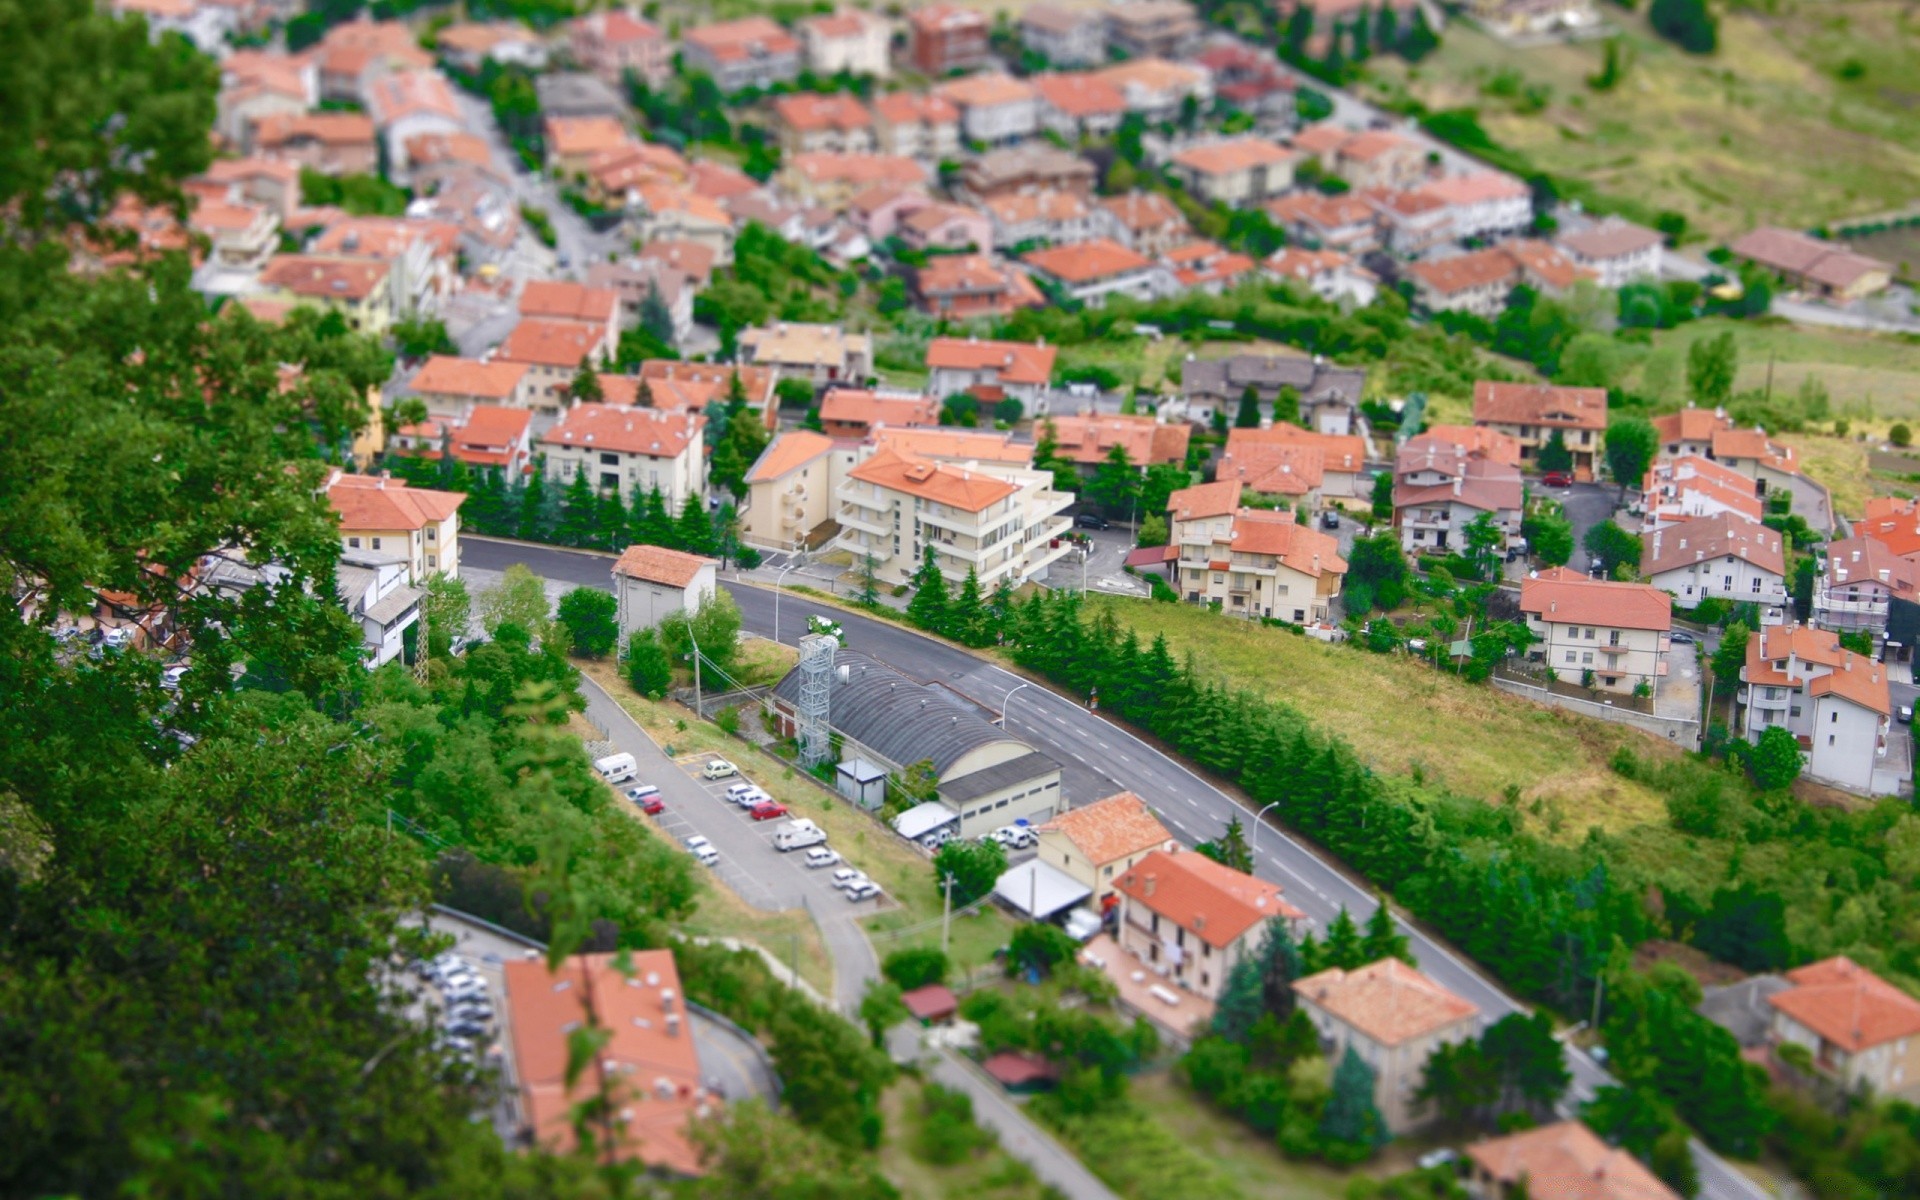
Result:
[{"x": 1868, "y": 377}]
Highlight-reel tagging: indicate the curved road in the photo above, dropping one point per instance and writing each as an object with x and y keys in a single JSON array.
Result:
[{"x": 1100, "y": 758}]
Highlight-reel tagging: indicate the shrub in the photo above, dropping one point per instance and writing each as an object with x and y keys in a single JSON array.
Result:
[
  {"x": 916, "y": 966},
  {"x": 947, "y": 1130},
  {"x": 728, "y": 719},
  {"x": 1900, "y": 435}
]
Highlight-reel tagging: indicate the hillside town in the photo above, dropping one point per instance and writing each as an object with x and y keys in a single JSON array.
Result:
[{"x": 1099, "y": 387}]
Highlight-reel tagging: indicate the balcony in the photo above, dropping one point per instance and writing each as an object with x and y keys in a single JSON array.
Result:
[{"x": 855, "y": 517}]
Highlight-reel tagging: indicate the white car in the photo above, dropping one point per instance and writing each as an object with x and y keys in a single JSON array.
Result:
[
  {"x": 719, "y": 768},
  {"x": 820, "y": 856},
  {"x": 1013, "y": 837},
  {"x": 738, "y": 790},
  {"x": 864, "y": 890},
  {"x": 751, "y": 797},
  {"x": 847, "y": 877},
  {"x": 696, "y": 843}
]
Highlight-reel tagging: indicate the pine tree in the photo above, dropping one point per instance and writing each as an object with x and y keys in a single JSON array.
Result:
[
  {"x": 586, "y": 383},
  {"x": 610, "y": 522},
  {"x": 1343, "y": 943},
  {"x": 1313, "y": 955},
  {"x": 694, "y": 528},
  {"x": 1233, "y": 847},
  {"x": 1383, "y": 939},
  {"x": 1002, "y": 605},
  {"x": 928, "y": 608},
  {"x": 1240, "y": 1005},
  {"x": 655, "y": 317},
  {"x": 967, "y": 620},
  {"x": 869, "y": 596},
  {"x": 651, "y": 526},
  {"x": 1280, "y": 965},
  {"x": 643, "y": 394},
  {"x": 1248, "y": 417},
  {"x": 579, "y": 512},
  {"x": 533, "y": 504},
  {"x": 1352, "y": 1121}
]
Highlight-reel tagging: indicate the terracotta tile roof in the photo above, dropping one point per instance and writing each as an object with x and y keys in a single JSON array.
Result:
[
  {"x": 667, "y": 395},
  {"x": 1274, "y": 470},
  {"x": 1611, "y": 238},
  {"x": 756, "y": 383},
  {"x": 1087, "y": 262},
  {"x": 1050, "y": 205},
  {"x": 943, "y": 18},
  {"x": 1547, "y": 263},
  {"x": 1691, "y": 424},
  {"x": 968, "y": 491},
  {"x": 1056, "y": 19},
  {"x": 373, "y": 502},
  {"x": 548, "y": 343},
  {"x": 1477, "y": 440},
  {"x": 859, "y": 406},
  {"x": 1111, "y": 829},
  {"x": 577, "y": 137},
  {"x": 332, "y": 129},
  {"x": 1404, "y": 205},
  {"x": 1539, "y": 404},
  {"x": 568, "y": 301},
  {"x": 656, "y": 433},
  {"x": 1848, "y": 1005},
  {"x": 1201, "y": 262},
  {"x": 1276, "y": 534},
  {"x": 324, "y": 278},
  {"x": 1320, "y": 211},
  {"x": 718, "y": 181},
  {"x": 617, "y": 27},
  {"x": 1859, "y": 680},
  {"x": 1475, "y": 482},
  {"x": 1215, "y": 903},
  {"x": 1307, "y": 265},
  {"x": 956, "y": 445},
  {"x": 1803, "y": 643},
  {"x": 1236, "y": 154},
  {"x": 1089, "y": 439},
  {"x": 1578, "y": 600},
  {"x": 809, "y": 112},
  {"x": 847, "y": 23},
  {"x": 1371, "y": 144},
  {"x": 695, "y": 258},
  {"x": 730, "y": 41},
  {"x": 1204, "y": 500},
  {"x": 1566, "y": 1161},
  {"x": 657, "y": 564},
  {"x": 911, "y": 108},
  {"x": 650, "y": 1053},
  {"x": 387, "y": 237},
  {"x": 444, "y": 375},
  {"x": 218, "y": 216},
  {"x": 400, "y": 94},
  {"x": 351, "y": 48},
  {"x": 1738, "y": 445},
  {"x": 1858, "y": 560},
  {"x": 1703, "y": 539},
  {"x": 974, "y": 274},
  {"x": 1700, "y": 476},
  {"x": 1475, "y": 187},
  {"x": 1464, "y": 272},
  {"x": 1343, "y": 453},
  {"x": 933, "y": 1002},
  {"x": 986, "y": 90},
  {"x": 1079, "y": 94},
  {"x": 492, "y": 425},
  {"x": 1152, "y": 75},
  {"x": 1387, "y": 1001},
  {"x": 1017, "y": 362},
  {"x": 794, "y": 448},
  {"x": 1793, "y": 253},
  {"x": 428, "y": 149},
  {"x": 1144, "y": 212},
  {"x": 1323, "y": 138},
  {"x": 823, "y": 166}
]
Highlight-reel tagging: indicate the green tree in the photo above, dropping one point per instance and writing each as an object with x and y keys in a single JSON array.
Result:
[
  {"x": 590, "y": 615},
  {"x": 1383, "y": 938},
  {"x": 1900, "y": 435},
  {"x": 1688, "y": 24},
  {"x": 1550, "y": 538},
  {"x": 974, "y": 866},
  {"x": 1554, "y": 455},
  {"x": 832, "y": 1077},
  {"x": 1351, "y": 1125},
  {"x": 649, "y": 669},
  {"x": 448, "y": 610},
  {"x": 1528, "y": 1061},
  {"x": 693, "y": 529},
  {"x": 1230, "y": 849},
  {"x": 1712, "y": 364},
  {"x": 928, "y": 608},
  {"x": 1608, "y": 543},
  {"x": 535, "y": 521},
  {"x": 916, "y": 967},
  {"x": 869, "y": 596},
  {"x": 1646, "y": 1127},
  {"x": 967, "y": 620},
  {"x": 1153, "y": 530},
  {"x": 1458, "y": 1085},
  {"x": 586, "y": 383},
  {"x": 1280, "y": 965},
  {"x": 655, "y": 317},
  {"x": 579, "y": 513},
  {"x": 1241, "y": 1002},
  {"x": 881, "y": 1008},
  {"x": 1775, "y": 760},
  {"x": 1247, "y": 416},
  {"x": 1631, "y": 445},
  {"x": 1484, "y": 541},
  {"x": 419, "y": 338},
  {"x": 1037, "y": 946},
  {"x": 1382, "y": 508},
  {"x": 518, "y": 599},
  {"x": 1343, "y": 946},
  {"x": 1115, "y": 485},
  {"x": 1806, "y": 573},
  {"x": 1747, "y": 927},
  {"x": 1378, "y": 565},
  {"x": 714, "y": 626},
  {"x": 649, "y": 524}
]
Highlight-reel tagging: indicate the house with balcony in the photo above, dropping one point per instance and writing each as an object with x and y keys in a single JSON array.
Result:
[
  {"x": 1345, "y": 223},
  {"x": 1860, "y": 1030},
  {"x": 240, "y": 237},
  {"x": 1617, "y": 631},
  {"x": 1478, "y": 282},
  {"x": 1836, "y": 703},
  {"x": 1156, "y": 89},
  {"x": 424, "y": 256},
  {"x": 359, "y": 289},
  {"x": 488, "y": 437},
  {"x": 327, "y": 142},
  {"x": 992, "y": 369},
  {"x": 1088, "y": 439},
  {"x": 1531, "y": 413},
  {"x": 1690, "y": 432},
  {"x": 1483, "y": 203},
  {"x": 995, "y": 109},
  {"x": 1190, "y": 920},
  {"x": 999, "y": 520},
  {"x": 1861, "y": 582},
  {"x": 1065, "y": 37},
  {"x": 1146, "y": 222},
  {"x": 917, "y": 126},
  {"x": 945, "y": 38},
  {"x": 1079, "y": 104},
  {"x": 835, "y": 124},
  {"x": 1771, "y": 464},
  {"x": 751, "y": 52},
  {"x": 1680, "y": 489},
  {"x": 1236, "y": 172},
  {"x": 822, "y": 354},
  {"x": 1342, "y": 457},
  {"x": 858, "y": 412},
  {"x": 1056, "y": 218},
  {"x": 628, "y": 451},
  {"x": 1722, "y": 557},
  {"x": 1251, "y": 563},
  {"x": 420, "y": 527},
  {"x": 453, "y": 387},
  {"x": 552, "y": 351},
  {"x": 1153, "y": 28},
  {"x": 790, "y": 491},
  {"x": 1439, "y": 488},
  {"x": 1617, "y": 251},
  {"x": 614, "y": 42},
  {"x": 1393, "y": 1017},
  {"x": 848, "y": 40},
  {"x": 1091, "y": 271},
  {"x": 960, "y": 286}
]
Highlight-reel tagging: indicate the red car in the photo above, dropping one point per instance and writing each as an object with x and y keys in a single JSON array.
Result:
[
  {"x": 767, "y": 811},
  {"x": 653, "y": 807},
  {"x": 1557, "y": 479}
]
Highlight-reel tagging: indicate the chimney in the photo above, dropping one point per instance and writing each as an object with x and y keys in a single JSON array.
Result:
[
  {"x": 673, "y": 1024},
  {"x": 1148, "y": 888}
]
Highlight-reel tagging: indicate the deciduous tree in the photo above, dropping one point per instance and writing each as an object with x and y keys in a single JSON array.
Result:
[{"x": 590, "y": 617}]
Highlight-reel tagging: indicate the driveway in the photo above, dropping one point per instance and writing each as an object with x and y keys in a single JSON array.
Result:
[
  {"x": 1099, "y": 570},
  {"x": 1678, "y": 695},
  {"x": 1586, "y": 505}
]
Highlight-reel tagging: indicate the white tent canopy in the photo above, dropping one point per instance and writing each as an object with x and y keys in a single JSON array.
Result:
[
  {"x": 922, "y": 819},
  {"x": 1039, "y": 890}
]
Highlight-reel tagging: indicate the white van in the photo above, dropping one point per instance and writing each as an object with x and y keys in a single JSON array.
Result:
[
  {"x": 798, "y": 834},
  {"x": 617, "y": 768}
]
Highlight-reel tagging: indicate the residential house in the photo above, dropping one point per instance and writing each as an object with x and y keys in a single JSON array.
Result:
[
  {"x": 954, "y": 445},
  {"x": 1153, "y": 28},
  {"x": 1065, "y": 37},
  {"x": 359, "y": 289},
  {"x": 1367, "y": 159},
  {"x": 330, "y": 143},
  {"x": 720, "y": 182},
  {"x": 1345, "y": 223},
  {"x": 1477, "y": 441},
  {"x": 552, "y": 352},
  {"x": 630, "y": 451},
  {"x": 474, "y": 200},
  {"x": 1439, "y": 488},
  {"x": 1410, "y": 222},
  {"x": 1031, "y": 168},
  {"x": 378, "y": 597},
  {"x": 944, "y": 38},
  {"x": 789, "y": 491},
  {"x": 1721, "y": 557},
  {"x": 650, "y": 1058},
  {"x": 1247, "y": 79},
  {"x": 992, "y": 370},
  {"x": 1858, "y": 1028},
  {"x": 452, "y": 388},
  {"x": 751, "y": 52},
  {"x": 755, "y": 384},
  {"x": 638, "y": 282},
  {"x": 831, "y": 181},
  {"x": 487, "y": 437},
  {"x": 424, "y": 255},
  {"x": 1476, "y": 282},
  {"x": 836, "y": 123},
  {"x": 1564, "y": 1160},
  {"x": 1190, "y": 920},
  {"x": 418, "y": 526},
  {"x": 1097, "y": 844},
  {"x": 1689, "y": 433},
  {"x": 1343, "y": 457},
  {"x": 1208, "y": 267},
  {"x": 1531, "y": 413},
  {"x": 257, "y": 84},
  {"x": 653, "y": 583},
  {"x": 1158, "y": 90},
  {"x": 572, "y": 143},
  {"x": 1483, "y": 203},
  {"x": 691, "y": 259},
  {"x": 1054, "y": 218},
  {"x": 564, "y": 300},
  {"x": 945, "y": 227},
  {"x": 849, "y": 40},
  {"x": 823, "y": 354},
  {"x": 1893, "y": 522},
  {"x": 1811, "y": 265},
  {"x": 469, "y": 46},
  {"x": 1617, "y": 251},
  {"x": 857, "y": 413},
  {"x": 1835, "y": 703},
  {"x": 1616, "y": 632},
  {"x": 995, "y": 109},
  {"x": 1146, "y": 222},
  {"x": 1680, "y": 489},
  {"x": 1393, "y": 1017},
  {"x": 964, "y": 286},
  {"x": 612, "y": 43},
  {"x": 1328, "y": 396},
  {"x": 1091, "y": 271},
  {"x": 354, "y": 53},
  {"x": 1087, "y": 440},
  {"x": 1328, "y": 274},
  {"x": 1254, "y": 563},
  {"x": 241, "y": 237},
  {"x": 578, "y": 94},
  {"x": 1861, "y": 580},
  {"x": 682, "y": 215},
  {"x": 614, "y": 175},
  {"x": 1237, "y": 172},
  {"x": 1079, "y": 105},
  {"x": 1544, "y": 268},
  {"x": 1770, "y": 464},
  {"x": 918, "y": 126},
  {"x": 1000, "y": 521},
  {"x": 406, "y": 104},
  {"x": 1279, "y": 474}
]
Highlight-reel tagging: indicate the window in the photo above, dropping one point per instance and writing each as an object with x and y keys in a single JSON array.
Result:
[
  {"x": 354, "y": 542},
  {"x": 1108, "y": 873},
  {"x": 1586, "y": 658},
  {"x": 1610, "y": 680},
  {"x": 609, "y": 460},
  {"x": 376, "y": 543},
  {"x": 1570, "y": 656},
  {"x": 1756, "y": 584},
  {"x": 1155, "y": 925},
  {"x": 433, "y": 533},
  {"x": 1589, "y": 634},
  {"x": 431, "y": 562},
  {"x": 1829, "y": 739},
  {"x": 1833, "y": 718}
]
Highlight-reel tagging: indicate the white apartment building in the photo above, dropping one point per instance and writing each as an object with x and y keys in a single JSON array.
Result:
[
  {"x": 1835, "y": 702},
  {"x": 630, "y": 450},
  {"x": 994, "y": 109},
  {"x": 849, "y": 40},
  {"x": 1861, "y": 580},
  {"x": 1616, "y": 251},
  {"x": 1022, "y": 371},
  {"x": 1000, "y": 520},
  {"x": 1618, "y": 631},
  {"x": 1065, "y": 37},
  {"x": 1440, "y": 487},
  {"x": 1724, "y": 557},
  {"x": 1681, "y": 489}
]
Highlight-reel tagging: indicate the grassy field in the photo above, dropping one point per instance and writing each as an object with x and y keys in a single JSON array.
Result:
[
  {"x": 1807, "y": 114},
  {"x": 988, "y": 1174},
  {"x": 1403, "y": 717},
  {"x": 1868, "y": 377}
]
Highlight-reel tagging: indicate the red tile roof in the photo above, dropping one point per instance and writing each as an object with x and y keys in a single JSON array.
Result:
[
  {"x": 548, "y": 343},
  {"x": 657, "y": 564},
  {"x": 375, "y": 502},
  {"x": 1080, "y": 95},
  {"x": 1539, "y": 404},
  {"x": 1087, "y": 262},
  {"x": 1215, "y": 903},
  {"x": 1691, "y": 424},
  {"x": 1702, "y": 539},
  {"x": 1388, "y": 1001},
  {"x": 808, "y": 112},
  {"x": 1111, "y": 829},
  {"x": 1569, "y": 598},
  {"x": 791, "y": 450},
  {"x": 730, "y": 41},
  {"x": 1204, "y": 500},
  {"x": 448, "y": 376},
  {"x": 1848, "y": 1005},
  {"x": 1016, "y": 362},
  {"x": 567, "y": 301},
  {"x": 1566, "y": 1161},
  {"x": 853, "y": 406},
  {"x": 653, "y": 432},
  {"x": 956, "y": 487},
  {"x": 324, "y": 278},
  {"x": 1276, "y": 534},
  {"x": 1089, "y": 439},
  {"x": 1464, "y": 272},
  {"x": 1234, "y": 155}
]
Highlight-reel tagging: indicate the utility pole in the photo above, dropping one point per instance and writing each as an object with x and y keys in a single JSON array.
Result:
[{"x": 946, "y": 915}]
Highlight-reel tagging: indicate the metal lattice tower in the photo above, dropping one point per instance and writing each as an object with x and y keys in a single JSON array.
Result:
[{"x": 816, "y": 682}]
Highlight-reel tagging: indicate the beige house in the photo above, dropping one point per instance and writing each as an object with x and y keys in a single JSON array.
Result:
[
  {"x": 916, "y": 125},
  {"x": 789, "y": 491},
  {"x": 419, "y": 526},
  {"x": 1859, "y": 1028},
  {"x": 1236, "y": 172},
  {"x": 631, "y": 451},
  {"x": 1189, "y": 920},
  {"x": 1618, "y": 631},
  {"x": 1562, "y": 1161},
  {"x": 1003, "y": 521},
  {"x": 1530, "y": 413},
  {"x": 1393, "y": 1017},
  {"x": 834, "y": 124},
  {"x": 1098, "y": 843},
  {"x": 848, "y": 40},
  {"x": 552, "y": 351},
  {"x": 823, "y": 354},
  {"x": 1251, "y": 562},
  {"x": 451, "y": 388},
  {"x": 652, "y": 583}
]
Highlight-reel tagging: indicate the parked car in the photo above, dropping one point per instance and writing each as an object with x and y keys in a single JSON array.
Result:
[
  {"x": 1681, "y": 637},
  {"x": 1905, "y": 714},
  {"x": 1330, "y": 519},
  {"x": 736, "y": 792},
  {"x": 1437, "y": 1158},
  {"x": 1091, "y": 521},
  {"x": 821, "y": 856},
  {"x": 643, "y": 793},
  {"x": 653, "y": 806},
  {"x": 864, "y": 890},
  {"x": 767, "y": 810},
  {"x": 719, "y": 768},
  {"x": 753, "y": 796},
  {"x": 1557, "y": 479},
  {"x": 1013, "y": 837},
  {"x": 171, "y": 677},
  {"x": 847, "y": 877}
]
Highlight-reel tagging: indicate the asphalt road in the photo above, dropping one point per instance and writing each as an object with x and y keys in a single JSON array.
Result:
[{"x": 1100, "y": 758}]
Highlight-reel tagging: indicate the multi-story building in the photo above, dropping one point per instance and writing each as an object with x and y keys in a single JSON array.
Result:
[
  {"x": 1016, "y": 369},
  {"x": 823, "y": 354},
  {"x": 1367, "y": 159},
  {"x": 1153, "y": 28},
  {"x": 1237, "y": 172},
  {"x": 1615, "y": 250},
  {"x": 407, "y": 104},
  {"x": 1439, "y": 488},
  {"x": 962, "y": 286},
  {"x": 1861, "y": 581},
  {"x": 1721, "y": 557},
  {"x": 419, "y": 526},
  {"x": 857, "y": 412},
  {"x": 831, "y": 181},
  {"x": 1097, "y": 844},
  {"x": 677, "y": 214},
  {"x": 1531, "y": 413},
  {"x": 1088, "y": 440},
  {"x": 1322, "y": 396},
  {"x": 241, "y": 237},
  {"x": 1091, "y": 271},
  {"x": 1484, "y": 203},
  {"x": 1769, "y": 463},
  {"x": 837, "y": 124},
  {"x": 330, "y": 143},
  {"x": 424, "y": 256},
  {"x": 1564, "y": 1159},
  {"x": 1617, "y": 631},
  {"x": 1477, "y": 282},
  {"x": 750, "y": 52},
  {"x": 995, "y": 109},
  {"x": 1344, "y": 223},
  {"x": 630, "y": 451},
  {"x": 1079, "y": 105},
  {"x": 1002, "y": 522},
  {"x": 1343, "y": 456},
  {"x": 1393, "y": 1017},
  {"x": 1157, "y": 90},
  {"x": 1329, "y": 274},
  {"x": 553, "y": 352},
  {"x": 1252, "y": 563},
  {"x": 614, "y": 42},
  {"x": 453, "y": 387},
  {"x": 1146, "y": 222},
  {"x": 1410, "y": 222},
  {"x": 1065, "y": 37},
  {"x": 359, "y": 289},
  {"x": 1680, "y": 489},
  {"x": 946, "y": 228},
  {"x": 944, "y": 38},
  {"x": 790, "y": 491},
  {"x": 1030, "y": 168},
  {"x": 564, "y": 300},
  {"x": 488, "y": 437},
  {"x": 1689, "y": 433},
  {"x": 641, "y": 281},
  {"x": 1835, "y": 703},
  {"x": 917, "y": 126},
  {"x": 849, "y": 40},
  {"x": 1057, "y": 218},
  {"x": 1858, "y": 1028},
  {"x": 1190, "y": 920}
]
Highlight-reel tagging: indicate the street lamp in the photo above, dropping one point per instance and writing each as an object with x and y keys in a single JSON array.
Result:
[
  {"x": 1254, "y": 849},
  {"x": 1008, "y": 700},
  {"x": 777, "y": 580}
]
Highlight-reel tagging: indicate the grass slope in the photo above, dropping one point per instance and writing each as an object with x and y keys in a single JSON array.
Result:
[{"x": 987, "y": 1174}]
